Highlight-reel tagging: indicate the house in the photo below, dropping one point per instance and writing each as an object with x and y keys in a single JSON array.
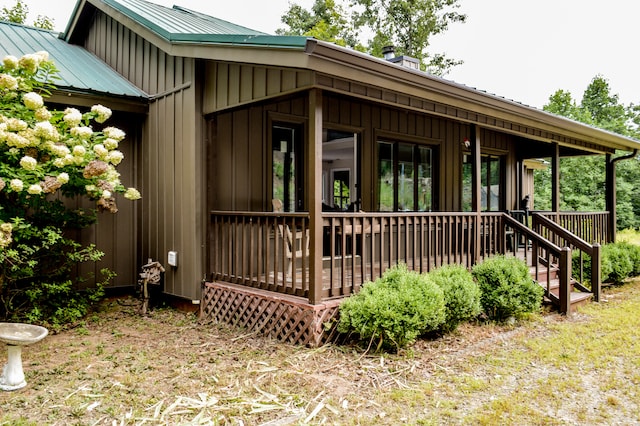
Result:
[{"x": 284, "y": 172}]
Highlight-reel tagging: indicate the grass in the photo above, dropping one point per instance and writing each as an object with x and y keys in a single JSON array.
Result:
[{"x": 119, "y": 368}]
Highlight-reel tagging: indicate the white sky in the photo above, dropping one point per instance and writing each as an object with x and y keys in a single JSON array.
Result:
[{"x": 523, "y": 50}]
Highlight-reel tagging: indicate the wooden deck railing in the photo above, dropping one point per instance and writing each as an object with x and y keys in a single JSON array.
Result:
[
  {"x": 261, "y": 250},
  {"x": 540, "y": 254},
  {"x": 360, "y": 247},
  {"x": 563, "y": 237},
  {"x": 592, "y": 227},
  {"x": 270, "y": 251}
]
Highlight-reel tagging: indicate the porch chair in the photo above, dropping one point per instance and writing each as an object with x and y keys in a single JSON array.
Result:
[{"x": 295, "y": 247}]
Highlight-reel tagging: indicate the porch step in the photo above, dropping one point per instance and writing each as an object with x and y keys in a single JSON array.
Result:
[{"x": 578, "y": 298}]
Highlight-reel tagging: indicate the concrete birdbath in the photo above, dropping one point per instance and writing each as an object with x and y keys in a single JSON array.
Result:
[{"x": 17, "y": 335}]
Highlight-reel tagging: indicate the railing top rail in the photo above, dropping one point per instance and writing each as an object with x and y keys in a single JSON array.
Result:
[
  {"x": 564, "y": 233},
  {"x": 566, "y": 213},
  {"x": 532, "y": 234},
  {"x": 258, "y": 214}
]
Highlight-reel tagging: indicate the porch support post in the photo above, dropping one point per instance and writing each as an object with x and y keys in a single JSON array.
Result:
[
  {"x": 555, "y": 180},
  {"x": 477, "y": 188},
  {"x": 314, "y": 173},
  {"x": 610, "y": 196}
]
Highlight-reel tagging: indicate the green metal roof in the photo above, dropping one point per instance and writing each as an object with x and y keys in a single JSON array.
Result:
[
  {"x": 181, "y": 25},
  {"x": 79, "y": 69}
]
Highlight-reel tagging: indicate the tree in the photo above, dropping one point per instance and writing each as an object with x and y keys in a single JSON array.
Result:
[
  {"x": 18, "y": 15},
  {"x": 582, "y": 179},
  {"x": 46, "y": 157},
  {"x": 406, "y": 25},
  {"x": 326, "y": 21}
]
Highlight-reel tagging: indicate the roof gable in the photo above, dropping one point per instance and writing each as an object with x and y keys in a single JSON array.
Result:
[
  {"x": 79, "y": 70},
  {"x": 182, "y": 25}
]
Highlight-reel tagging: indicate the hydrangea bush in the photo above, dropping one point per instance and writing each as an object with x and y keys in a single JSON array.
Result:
[{"x": 47, "y": 156}]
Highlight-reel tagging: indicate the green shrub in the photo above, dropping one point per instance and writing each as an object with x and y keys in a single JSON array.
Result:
[
  {"x": 461, "y": 295},
  {"x": 633, "y": 250},
  {"x": 618, "y": 257},
  {"x": 394, "y": 310},
  {"x": 507, "y": 289}
]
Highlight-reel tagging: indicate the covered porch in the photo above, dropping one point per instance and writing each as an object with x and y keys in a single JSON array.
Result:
[{"x": 361, "y": 165}]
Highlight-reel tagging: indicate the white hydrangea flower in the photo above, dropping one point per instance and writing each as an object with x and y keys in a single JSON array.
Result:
[
  {"x": 10, "y": 62},
  {"x": 17, "y": 141},
  {"x": 72, "y": 117},
  {"x": 110, "y": 143},
  {"x": 16, "y": 185},
  {"x": 30, "y": 62},
  {"x": 60, "y": 150},
  {"x": 16, "y": 125},
  {"x": 102, "y": 113},
  {"x": 35, "y": 189},
  {"x": 43, "y": 55},
  {"x": 115, "y": 157},
  {"x": 82, "y": 132},
  {"x": 28, "y": 163},
  {"x": 106, "y": 194},
  {"x": 8, "y": 82},
  {"x": 32, "y": 100},
  {"x": 114, "y": 133},
  {"x": 100, "y": 151},
  {"x": 43, "y": 114},
  {"x": 45, "y": 130},
  {"x": 79, "y": 151},
  {"x": 59, "y": 162},
  {"x": 132, "y": 194},
  {"x": 63, "y": 177}
]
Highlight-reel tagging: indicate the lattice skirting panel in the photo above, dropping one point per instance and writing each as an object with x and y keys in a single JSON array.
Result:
[{"x": 286, "y": 318}]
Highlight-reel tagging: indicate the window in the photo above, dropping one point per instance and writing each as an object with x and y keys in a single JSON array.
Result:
[
  {"x": 491, "y": 185},
  {"x": 287, "y": 168},
  {"x": 340, "y": 170},
  {"x": 405, "y": 177}
]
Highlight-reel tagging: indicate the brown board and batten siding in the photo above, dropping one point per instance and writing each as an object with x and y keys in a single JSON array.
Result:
[
  {"x": 171, "y": 169},
  {"x": 230, "y": 85},
  {"x": 238, "y": 173}
]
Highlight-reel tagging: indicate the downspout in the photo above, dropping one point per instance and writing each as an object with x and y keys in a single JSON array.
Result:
[{"x": 611, "y": 193}]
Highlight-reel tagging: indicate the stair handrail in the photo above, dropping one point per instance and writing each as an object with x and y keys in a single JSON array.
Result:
[
  {"x": 593, "y": 250},
  {"x": 562, "y": 255}
]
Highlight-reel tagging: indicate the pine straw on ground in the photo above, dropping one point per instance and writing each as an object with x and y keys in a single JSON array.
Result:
[{"x": 119, "y": 368}]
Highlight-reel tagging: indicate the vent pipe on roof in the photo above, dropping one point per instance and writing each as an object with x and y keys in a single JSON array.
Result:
[{"x": 388, "y": 52}]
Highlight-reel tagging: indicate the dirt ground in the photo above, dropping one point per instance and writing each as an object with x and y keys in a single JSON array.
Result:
[{"x": 118, "y": 368}]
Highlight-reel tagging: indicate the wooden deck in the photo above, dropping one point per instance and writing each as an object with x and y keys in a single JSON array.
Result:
[{"x": 262, "y": 278}]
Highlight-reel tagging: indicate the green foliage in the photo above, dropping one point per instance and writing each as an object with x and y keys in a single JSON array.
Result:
[
  {"x": 395, "y": 309},
  {"x": 461, "y": 295},
  {"x": 326, "y": 21},
  {"x": 618, "y": 256},
  {"x": 582, "y": 179},
  {"x": 618, "y": 261},
  {"x": 46, "y": 156},
  {"x": 18, "y": 15},
  {"x": 405, "y": 25},
  {"x": 507, "y": 289}
]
